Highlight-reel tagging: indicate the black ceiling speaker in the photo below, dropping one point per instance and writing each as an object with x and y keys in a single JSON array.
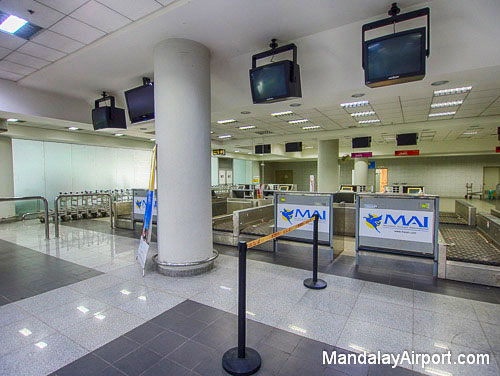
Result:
[{"x": 108, "y": 117}]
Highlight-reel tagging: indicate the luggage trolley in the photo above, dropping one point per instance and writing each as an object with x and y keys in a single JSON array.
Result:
[{"x": 470, "y": 192}]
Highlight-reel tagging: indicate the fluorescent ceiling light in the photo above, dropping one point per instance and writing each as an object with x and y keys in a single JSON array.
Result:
[
  {"x": 298, "y": 121},
  {"x": 73, "y": 128},
  {"x": 225, "y": 136},
  {"x": 311, "y": 127},
  {"x": 13, "y": 120},
  {"x": 152, "y": 139},
  {"x": 82, "y": 309},
  {"x": 12, "y": 24},
  {"x": 236, "y": 151},
  {"x": 118, "y": 134},
  {"x": 308, "y": 147},
  {"x": 25, "y": 332},
  {"x": 354, "y": 104},
  {"x": 443, "y": 114},
  {"x": 369, "y": 121},
  {"x": 447, "y": 104},
  {"x": 365, "y": 113},
  {"x": 247, "y": 127},
  {"x": 470, "y": 133},
  {"x": 249, "y": 152},
  {"x": 457, "y": 90},
  {"x": 41, "y": 345},
  {"x": 228, "y": 121},
  {"x": 390, "y": 138},
  {"x": 282, "y": 113}
]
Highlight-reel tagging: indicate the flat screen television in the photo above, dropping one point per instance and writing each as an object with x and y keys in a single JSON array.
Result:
[
  {"x": 263, "y": 149},
  {"x": 108, "y": 118},
  {"x": 395, "y": 58},
  {"x": 275, "y": 82},
  {"x": 361, "y": 142},
  {"x": 405, "y": 139},
  {"x": 141, "y": 103}
]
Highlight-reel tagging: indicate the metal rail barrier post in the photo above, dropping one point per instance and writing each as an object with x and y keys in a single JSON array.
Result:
[
  {"x": 77, "y": 195},
  {"x": 314, "y": 282},
  {"x": 46, "y": 208}
]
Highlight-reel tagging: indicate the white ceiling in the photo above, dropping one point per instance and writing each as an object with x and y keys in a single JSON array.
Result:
[{"x": 95, "y": 45}]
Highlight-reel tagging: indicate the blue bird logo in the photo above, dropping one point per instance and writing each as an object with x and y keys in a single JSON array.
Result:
[
  {"x": 287, "y": 215},
  {"x": 372, "y": 221}
]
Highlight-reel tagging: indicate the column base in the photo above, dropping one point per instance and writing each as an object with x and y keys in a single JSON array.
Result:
[{"x": 185, "y": 269}]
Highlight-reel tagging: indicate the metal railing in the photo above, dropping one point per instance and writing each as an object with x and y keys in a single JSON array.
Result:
[
  {"x": 46, "y": 208},
  {"x": 76, "y": 195}
]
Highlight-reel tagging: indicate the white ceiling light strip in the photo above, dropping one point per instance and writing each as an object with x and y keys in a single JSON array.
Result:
[
  {"x": 225, "y": 136},
  {"x": 450, "y": 113},
  {"x": 246, "y": 127},
  {"x": 300, "y": 121},
  {"x": 282, "y": 113},
  {"x": 457, "y": 90},
  {"x": 364, "y": 113},
  {"x": 311, "y": 127},
  {"x": 447, "y": 104},
  {"x": 227, "y": 121},
  {"x": 369, "y": 121},
  {"x": 354, "y": 104}
]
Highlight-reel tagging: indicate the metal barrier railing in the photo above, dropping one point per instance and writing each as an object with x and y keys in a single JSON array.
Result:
[
  {"x": 242, "y": 360},
  {"x": 84, "y": 196},
  {"x": 46, "y": 208}
]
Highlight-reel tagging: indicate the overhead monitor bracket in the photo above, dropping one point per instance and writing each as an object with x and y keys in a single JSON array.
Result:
[
  {"x": 395, "y": 18},
  {"x": 105, "y": 97},
  {"x": 278, "y": 50},
  {"x": 146, "y": 81}
]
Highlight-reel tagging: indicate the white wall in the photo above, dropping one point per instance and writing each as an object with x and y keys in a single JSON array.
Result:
[
  {"x": 6, "y": 177},
  {"x": 47, "y": 168}
]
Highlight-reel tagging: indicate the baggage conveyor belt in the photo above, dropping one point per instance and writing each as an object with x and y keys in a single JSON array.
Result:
[
  {"x": 259, "y": 229},
  {"x": 451, "y": 218},
  {"x": 466, "y": 244}
]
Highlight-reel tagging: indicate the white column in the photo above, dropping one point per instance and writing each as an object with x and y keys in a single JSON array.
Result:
[
  {"x": 360, "y": 171},
  {"x": 7, "y": 209},
  {"x": 328, "y": 166},
  {"x": 182, "y": 123}
]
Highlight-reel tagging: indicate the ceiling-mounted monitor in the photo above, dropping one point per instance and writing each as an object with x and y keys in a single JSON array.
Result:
[
  {"x": 108, "y": 117},
  {"x": 141, "y": 103},
  {"x": 263, "y": 149},
  {"x": 361, "y": 142},
  {"x": 291, "y": 147},
  {"x": 406, "y": 139},
  {"x": 395, "y": 58}
]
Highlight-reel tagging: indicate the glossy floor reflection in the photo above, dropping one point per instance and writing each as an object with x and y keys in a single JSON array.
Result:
[{"x": 43, "y": 333}]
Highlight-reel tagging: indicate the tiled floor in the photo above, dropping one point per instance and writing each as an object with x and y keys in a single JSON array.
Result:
[
  {"x": 41, "y": 334},
  {"x": 191, "y": 338}
]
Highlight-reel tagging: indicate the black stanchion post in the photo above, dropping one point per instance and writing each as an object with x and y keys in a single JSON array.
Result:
[
  {"x": 241, "y": 360},
  {"x": 314, "y": 282}
]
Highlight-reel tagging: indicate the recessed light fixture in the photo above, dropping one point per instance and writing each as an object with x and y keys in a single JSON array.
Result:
[
  {"x": 308, "y": 147},
  {"x": 12, "y": 24},
  {"x": 439, "y": 83},
  {"x": 369, "y": 121},
  {"x": 245, "y": 112},
  {"x": 300, "y": 121},
  {"x": 354, "y": 104},
  {"x": 364, "y": 113},
  {"x": 212, "y": 132},
  {"x": 13, "y": 120},
  {"x": 73, "y": 128},
  {"x": 358, "y": 95},
  {"x": 249, "y": 152},
  {"x": 470, "y": 133},
  {"x": 282, "y": 113},
  {"x": 450, "y": 113},
  {"x": 152, "y": 139},
  {"x": 41, "y": 345},
  {"x": 236, "y": 151},
  {"x": 225, "y": 136},
  {"x": 227, "y": 121},
  {"x": 311, "y": 127},
  {"x": 447, "y": 104},
  {"x": 457, "y": 90},
  {"x": 118, "y": 134},
  {"x": 247, "y": 127},
  {"x": 25, "y": 332}
]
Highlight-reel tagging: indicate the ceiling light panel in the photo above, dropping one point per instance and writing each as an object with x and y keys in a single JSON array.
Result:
[
  {"x": 447, "y": 104},
  {"x": 438, "y": 114},
  {"x": 311, "y": 127},
  {"x": 227, "y": 121},
  {"x": 299, "y": 121},
  {"x": 225, "y": 136},
  {"x": 363, "y": 113},
  {"x": 247, "y": 127},
  {"x": 12, "y": 24},
  {"x": 457, "y": 90},
  {"x": 369, "y": 121},
  {"x": 282, "y": 113},
  {"x": 354, "y": 104}
]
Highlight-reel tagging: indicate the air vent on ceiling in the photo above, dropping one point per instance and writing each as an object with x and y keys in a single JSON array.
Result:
[{"x": 263, "y": 132}]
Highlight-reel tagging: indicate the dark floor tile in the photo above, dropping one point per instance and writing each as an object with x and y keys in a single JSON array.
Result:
[
  {"x": 137, "y": 361},
  {"x": 282, "y": 340},
  {"x": 168, "y": 319},
  {"x": 188, "y": 307},
  {"x": 212, "y": 366},
  {"x": 191, "y": 354},
  {"x": 116, "y": 349},
  {"x": 215, "y": 337},
  {"x": 189, "y": 327},
  {"x": 272, "y": 358},
  {"x": 345, "y": 369},
  {"x": 312, "y": 350},
  {"x": 165, "y": 343},
  {"x": 144, "y": 332},
  {"x": 166, "y": 368},
  {"x": 87, "y": 365},
  {"x": 256, "y": 332},
  {"x": 385, "y": 370},
  {"x": 110, "y": 371},
  {"x": 4, "y": 300},
  {"x": 299, "y": 367},
  {"x": 206, "y": 314}
]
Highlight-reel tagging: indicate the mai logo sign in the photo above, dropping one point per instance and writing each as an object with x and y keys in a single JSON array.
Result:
[
  {"x": 374, "y": 221},
  {"x": 289, "y": 214}
]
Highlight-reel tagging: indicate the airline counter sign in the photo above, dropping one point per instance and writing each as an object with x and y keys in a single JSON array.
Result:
[
  {"x": 292, "y": 214},
  {"x": 140, "y": 205},
  {"x": 406, "y": 225}
]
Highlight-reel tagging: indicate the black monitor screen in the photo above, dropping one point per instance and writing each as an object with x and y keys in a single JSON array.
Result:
[
  {"x": 141, "y": 103},
  {"x": 270, "y": 82},
  {"x": 406, "y": 139},
  {"x": 361, "y": 142},
  {"x": 395, "y": 56}
]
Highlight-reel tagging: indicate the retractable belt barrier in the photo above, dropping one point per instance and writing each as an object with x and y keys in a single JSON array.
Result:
[{"x": 242, "y": 360}]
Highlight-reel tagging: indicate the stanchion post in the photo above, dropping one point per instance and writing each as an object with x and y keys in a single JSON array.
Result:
[
  {"x": 314, "y": 282},
  {"x": 241, "y": 360}
]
